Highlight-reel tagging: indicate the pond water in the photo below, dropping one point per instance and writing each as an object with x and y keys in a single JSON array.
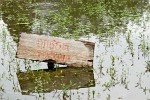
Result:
[{"x": 121, "y": 67}]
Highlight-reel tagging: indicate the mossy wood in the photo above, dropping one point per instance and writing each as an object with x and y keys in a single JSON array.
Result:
[{"x": 55, "y": 49}]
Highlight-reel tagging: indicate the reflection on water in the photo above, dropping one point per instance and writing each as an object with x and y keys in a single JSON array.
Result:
[
  {"x": 121, "y": 67},
  {"x": 69, "y": 17},
  {"x": 9, "y": 65},
  {"x": 50, "y": 80}
]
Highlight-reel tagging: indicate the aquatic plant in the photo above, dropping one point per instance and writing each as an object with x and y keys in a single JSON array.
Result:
[
  {"x": 148, "y": 66},
  {"x": 72, "y": 18}
]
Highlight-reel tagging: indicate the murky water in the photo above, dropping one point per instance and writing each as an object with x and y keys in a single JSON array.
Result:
[{"x": 121, "y": 63}]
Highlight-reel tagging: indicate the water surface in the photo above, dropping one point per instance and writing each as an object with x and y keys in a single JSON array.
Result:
[{"x": 121, "y": 58}]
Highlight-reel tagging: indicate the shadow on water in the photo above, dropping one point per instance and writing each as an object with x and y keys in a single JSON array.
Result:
[
  {"x": 121, "y": 60},
  {"x": 58, "y": 79}
]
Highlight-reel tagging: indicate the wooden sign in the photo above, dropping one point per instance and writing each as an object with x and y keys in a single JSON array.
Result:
[{"x": 55, "y": 49}]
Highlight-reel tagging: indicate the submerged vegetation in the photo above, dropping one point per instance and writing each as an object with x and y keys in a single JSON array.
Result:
[
  {"x": 50, "y": 80},
  {"x": 121, "y": 54},
  {"x": 74, "y": 18}
]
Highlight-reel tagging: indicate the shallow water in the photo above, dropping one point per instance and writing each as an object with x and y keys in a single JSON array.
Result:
[{"x": 121, "y": 66}]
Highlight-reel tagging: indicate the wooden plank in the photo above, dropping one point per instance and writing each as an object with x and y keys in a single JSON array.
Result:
[{"x": 55, "y": 49}]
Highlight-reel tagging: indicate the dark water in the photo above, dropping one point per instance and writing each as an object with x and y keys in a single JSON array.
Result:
[
  {"x": 62, "y": 78},
  {"x": 74, "y": 18},
  {"x": 120, "y": 30}
]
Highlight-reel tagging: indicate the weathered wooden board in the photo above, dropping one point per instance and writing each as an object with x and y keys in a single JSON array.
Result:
[{"x": 55, "y": 49}]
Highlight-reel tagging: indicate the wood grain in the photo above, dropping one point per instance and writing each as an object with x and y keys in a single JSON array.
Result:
[{"x": 55, "y": 49}]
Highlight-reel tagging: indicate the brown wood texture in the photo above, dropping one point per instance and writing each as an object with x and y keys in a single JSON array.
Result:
[{"x": 55, "y": 49}]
